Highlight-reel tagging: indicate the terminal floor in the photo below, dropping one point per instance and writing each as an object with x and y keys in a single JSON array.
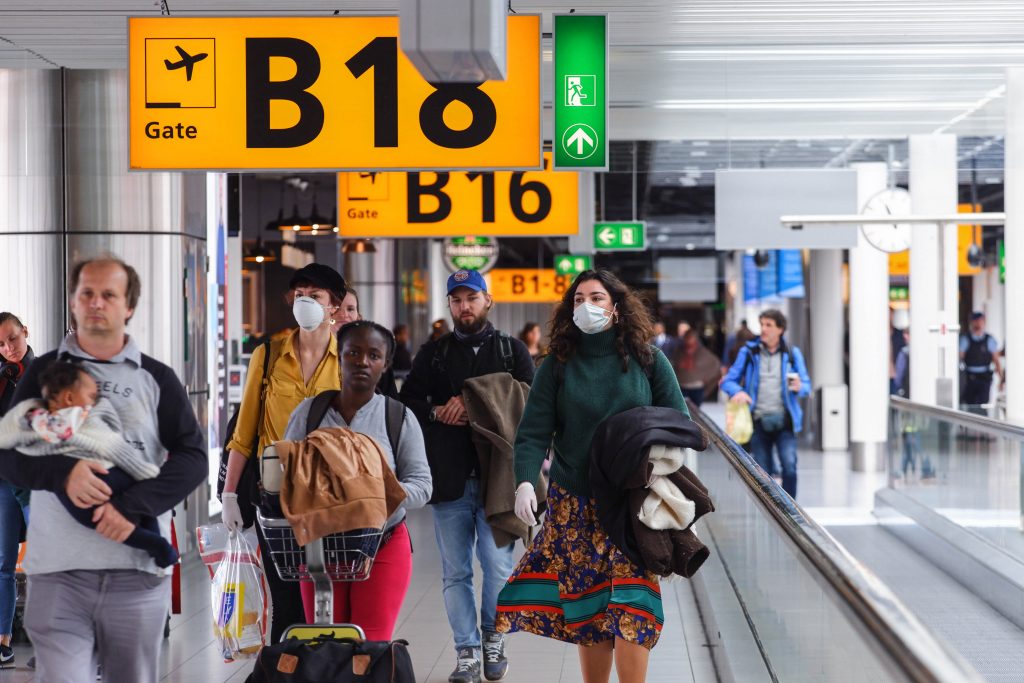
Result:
[{"x": 190, "y": 655}]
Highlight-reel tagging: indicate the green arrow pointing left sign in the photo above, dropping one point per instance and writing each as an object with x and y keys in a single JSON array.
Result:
[{"x": 620, "y": 236}]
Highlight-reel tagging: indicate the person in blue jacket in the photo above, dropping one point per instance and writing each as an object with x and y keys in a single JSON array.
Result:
[{"x": 769, "y": 375}]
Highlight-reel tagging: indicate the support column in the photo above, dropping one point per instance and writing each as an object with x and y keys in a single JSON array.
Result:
[
  {"x": 1014, "y": 242},
  {"x": 827, "y": 324},
  {"x": 869, "y": 337},
  {"x": 31, "y": 203},
  {"x": 934, "y": 319}
]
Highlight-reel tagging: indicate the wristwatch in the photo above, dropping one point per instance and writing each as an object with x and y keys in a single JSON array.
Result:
[{"x": 433, "y": 414}]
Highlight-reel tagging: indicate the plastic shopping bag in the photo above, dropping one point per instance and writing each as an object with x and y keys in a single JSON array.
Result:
[
  {"x": 239, "y": 600},
  {"x": 739, "y": 425}
]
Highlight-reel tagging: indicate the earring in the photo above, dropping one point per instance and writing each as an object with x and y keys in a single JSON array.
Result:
[{"x": 332, "y": 321}]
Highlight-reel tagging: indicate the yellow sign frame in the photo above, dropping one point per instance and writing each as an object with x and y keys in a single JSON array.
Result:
[
  {"x": 320, "y": 93},
  {"x": 454, "y": 204}
]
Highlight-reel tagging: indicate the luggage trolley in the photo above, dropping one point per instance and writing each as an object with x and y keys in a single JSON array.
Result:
[{"x": 345, "y": 556}]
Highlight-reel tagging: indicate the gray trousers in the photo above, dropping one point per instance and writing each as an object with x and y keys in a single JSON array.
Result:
[{"x": 118, "y": 614}]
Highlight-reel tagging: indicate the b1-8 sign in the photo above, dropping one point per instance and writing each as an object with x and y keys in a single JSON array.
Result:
[
  {"x": 320, "y": 93},
  {"x": 450, "y": 203},
  {"x": 527, "y": 285}
]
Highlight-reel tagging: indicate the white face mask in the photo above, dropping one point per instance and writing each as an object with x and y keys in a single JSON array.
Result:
[
  {"x": 591, "y": 319},
  {"x": 308, "y": 313}
]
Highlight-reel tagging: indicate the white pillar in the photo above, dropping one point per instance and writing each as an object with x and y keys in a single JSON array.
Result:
[
  {"x": 1013, "y": 183},
  {"x": 934, "y": 337},
  {"x": 869, "y": 337},
  {"x": 827, "y": 324}
]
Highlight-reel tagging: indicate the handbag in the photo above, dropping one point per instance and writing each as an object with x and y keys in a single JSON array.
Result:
[{"x": 335, "y": 660}]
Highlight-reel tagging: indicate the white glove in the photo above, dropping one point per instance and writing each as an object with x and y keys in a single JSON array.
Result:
[
  {"x": 231, "y": 514},
  {"x": 526, "y": 504}
]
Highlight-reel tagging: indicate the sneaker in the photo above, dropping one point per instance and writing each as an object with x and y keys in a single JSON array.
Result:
[
  {"x": 6, "y": 657},
  {"x": 495, "y": 662},
  {"x": 467, "y": 670}
]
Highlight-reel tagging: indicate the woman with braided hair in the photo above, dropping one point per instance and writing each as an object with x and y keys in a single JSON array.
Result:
[{"x": 366, "y": 349}]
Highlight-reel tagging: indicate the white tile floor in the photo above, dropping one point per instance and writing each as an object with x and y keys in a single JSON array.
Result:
[{"x": 190, "y": 655}]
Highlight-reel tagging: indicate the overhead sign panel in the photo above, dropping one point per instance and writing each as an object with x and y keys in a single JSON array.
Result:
[
  {"x": 453, "y": 203},
  {"x": 750, "y": 202},
  {"x": 580, "y": 98},
  {"x": 320, "y": 93},
  {"x": 573, "y": 264}
]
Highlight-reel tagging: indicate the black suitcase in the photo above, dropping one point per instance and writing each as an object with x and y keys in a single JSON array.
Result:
[{"x": 333, "y": 660}]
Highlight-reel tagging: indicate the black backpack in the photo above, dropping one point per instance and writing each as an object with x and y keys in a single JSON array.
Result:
[
  {"x": 394, "y": 416},
  {"x": 508, "y": 358},
  {"x": 248, "y": 488}
]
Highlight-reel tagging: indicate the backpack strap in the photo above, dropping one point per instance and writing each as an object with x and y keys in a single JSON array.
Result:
[
  {"x": 318, "y": 409},
  {"x": 394, "y": 418},
  {"x": 508, "y": 359},
  {"x": 439, "y": 361}
]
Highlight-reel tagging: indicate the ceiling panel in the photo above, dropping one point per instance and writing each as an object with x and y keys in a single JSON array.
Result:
[{"x": 694, "y": 69}]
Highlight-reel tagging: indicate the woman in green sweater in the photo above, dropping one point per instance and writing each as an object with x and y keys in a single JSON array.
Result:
[{"x": 574, "y": 584}]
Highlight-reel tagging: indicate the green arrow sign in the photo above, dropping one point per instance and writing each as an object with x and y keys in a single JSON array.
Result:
[
  {"x": 581, "y": 91},
  {"x": 572, "y": 264},
  {"x": 620, "y": 236}
]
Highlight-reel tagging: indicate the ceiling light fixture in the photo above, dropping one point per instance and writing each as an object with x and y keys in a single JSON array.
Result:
[{"x": 259, "y": 253}]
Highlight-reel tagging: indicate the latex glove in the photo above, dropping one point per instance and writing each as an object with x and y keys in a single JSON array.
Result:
[
  {"x": 231, "y": 514},
  {"x": 526, "y": 504}
]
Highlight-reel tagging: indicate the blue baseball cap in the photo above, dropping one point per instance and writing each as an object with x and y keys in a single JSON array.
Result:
[{"x": 466, "y": 278}]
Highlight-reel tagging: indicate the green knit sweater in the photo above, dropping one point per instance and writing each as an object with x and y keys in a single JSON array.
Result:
[{"x": 567, "y": 416}]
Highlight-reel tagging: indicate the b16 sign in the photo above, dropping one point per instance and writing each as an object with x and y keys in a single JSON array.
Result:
[
  {"x": 320, "y": 93},
  {"x": 453, "y": 203}
]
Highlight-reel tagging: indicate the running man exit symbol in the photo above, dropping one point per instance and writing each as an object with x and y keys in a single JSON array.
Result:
[{"x": 580, "y": 91}]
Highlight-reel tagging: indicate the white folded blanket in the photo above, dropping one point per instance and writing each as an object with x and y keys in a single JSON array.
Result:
[
  {"x": 666, "y": 507},
  {"x": 665, "y": 459}
]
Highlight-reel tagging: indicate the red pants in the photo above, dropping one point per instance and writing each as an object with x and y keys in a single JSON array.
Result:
[{"x": 372, "y": 604}]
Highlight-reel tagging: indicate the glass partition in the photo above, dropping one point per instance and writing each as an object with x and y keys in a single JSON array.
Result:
[
  {"x": 814, "y": 613},
  {"x": 965, "y": 467}
]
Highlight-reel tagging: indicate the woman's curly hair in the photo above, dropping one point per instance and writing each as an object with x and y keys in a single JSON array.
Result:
[{"x": 633, "y": 329}]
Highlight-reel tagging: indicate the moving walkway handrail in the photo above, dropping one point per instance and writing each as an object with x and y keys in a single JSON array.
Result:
[
  {"x": 912, "y": 647},
  {"x": 960, "y": 418}
]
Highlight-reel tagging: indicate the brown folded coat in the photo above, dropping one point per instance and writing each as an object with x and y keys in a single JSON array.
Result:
[
  {"x": 336, "y": 480},
  {"x": 495, "y": 404}
]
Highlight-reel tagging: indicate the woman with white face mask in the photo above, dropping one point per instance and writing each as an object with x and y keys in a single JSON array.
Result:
[
  {"x": 599, "y": 364},
  {"x": 301, "y": 364}
]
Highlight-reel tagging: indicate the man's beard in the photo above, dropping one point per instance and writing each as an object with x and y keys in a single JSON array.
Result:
[{"x": 471, "y": 327}]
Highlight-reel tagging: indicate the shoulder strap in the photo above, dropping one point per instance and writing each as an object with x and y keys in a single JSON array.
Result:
[
  {"x": 394, "y": 418},
  {"x": 440, "y": 357},
  {"x": 508, "y": 360},
  {"x": 318, "y": 409}
]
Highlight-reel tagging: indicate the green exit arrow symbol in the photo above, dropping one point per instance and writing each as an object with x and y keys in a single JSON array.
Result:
[
  {"x": 565, "y": 265},
  {"x": 578, "y": 138},
  {"x": 606, "y": 236}
]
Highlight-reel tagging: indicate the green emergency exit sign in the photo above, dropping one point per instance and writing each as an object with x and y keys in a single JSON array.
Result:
[
  {"x": 572, "y": 264},
  {"x": 581, "y": 91},
  {"x": 620, "y": 236}
]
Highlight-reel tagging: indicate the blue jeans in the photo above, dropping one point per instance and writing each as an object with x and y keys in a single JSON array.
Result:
[
  {"x": 11, "y": 517},
  {"x": 459, "y": 525},
  {"x": 761, "y": 445}
]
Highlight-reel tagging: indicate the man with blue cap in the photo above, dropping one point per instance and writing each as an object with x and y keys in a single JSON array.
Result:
[{"x": 433, "y": 390}]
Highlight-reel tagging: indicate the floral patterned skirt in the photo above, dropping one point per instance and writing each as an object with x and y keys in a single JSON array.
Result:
[{"x": 574, "y": 585}]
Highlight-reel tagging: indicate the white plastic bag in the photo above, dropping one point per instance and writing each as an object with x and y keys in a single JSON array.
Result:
[{"x": 239, "y": 600}]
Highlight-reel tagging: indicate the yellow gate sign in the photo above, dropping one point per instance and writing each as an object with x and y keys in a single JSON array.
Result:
[
  {"x": 320, "y": 93},
  {"x": 527, "y": 285},
  {"x": 451, "y": 204}
]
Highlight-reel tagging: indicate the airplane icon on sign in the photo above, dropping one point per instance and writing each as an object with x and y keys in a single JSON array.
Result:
[{"x": 188, "y": 61}]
